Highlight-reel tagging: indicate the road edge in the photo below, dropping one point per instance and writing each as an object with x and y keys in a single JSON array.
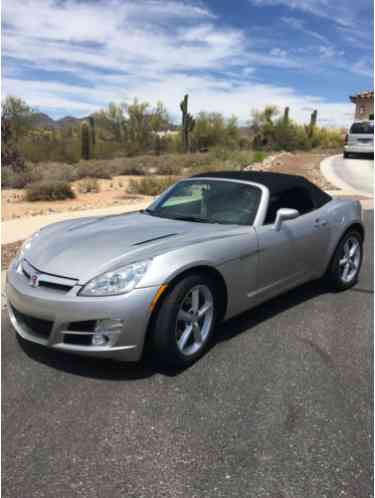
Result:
[{"x": 331, "y": 177}]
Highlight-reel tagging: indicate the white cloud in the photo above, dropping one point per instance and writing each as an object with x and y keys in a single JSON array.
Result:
[
  {"x": 299, "y": 25},
  {"x": 154, "y": 50}
]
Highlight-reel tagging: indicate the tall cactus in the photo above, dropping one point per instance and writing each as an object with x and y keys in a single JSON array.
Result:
[
  {"x": 188, "y": 124},
  {"x": 92, "y": 129},
  {"x": 85, "y": 141},
  {"x": 286, "y": 116},
  {"x": 311, "y": 127}
]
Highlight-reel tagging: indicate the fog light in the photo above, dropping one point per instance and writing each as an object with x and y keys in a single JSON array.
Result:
[
  {"x": 107, "y": 332},
  {"x": 99, "y": 339}
]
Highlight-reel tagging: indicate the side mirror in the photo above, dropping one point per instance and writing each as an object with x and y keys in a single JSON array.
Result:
[{"x": 284, "y": 214}]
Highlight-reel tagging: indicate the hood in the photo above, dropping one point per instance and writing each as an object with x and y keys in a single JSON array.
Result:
[{"x": 84, "y": 248}]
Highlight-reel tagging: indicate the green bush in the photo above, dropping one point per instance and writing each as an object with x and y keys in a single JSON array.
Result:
[
  {"x": 48, "y": 190},
  {"x": 150, "y": 185},
  {"x": 258, "y": 156}
]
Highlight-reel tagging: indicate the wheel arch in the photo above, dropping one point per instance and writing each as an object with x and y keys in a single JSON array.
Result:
[
  {"x": 353, "y": 226},
  {"x": 211, "y": 272}
]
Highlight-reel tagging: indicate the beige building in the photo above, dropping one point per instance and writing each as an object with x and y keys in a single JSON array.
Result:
[{"x": 364, "y": 105}]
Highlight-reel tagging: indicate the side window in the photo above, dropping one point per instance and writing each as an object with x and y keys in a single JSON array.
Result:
[{"x": 294, "y": 198}]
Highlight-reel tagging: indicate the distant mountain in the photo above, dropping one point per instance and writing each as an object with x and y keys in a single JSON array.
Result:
[{"x": 42, "y": 120}]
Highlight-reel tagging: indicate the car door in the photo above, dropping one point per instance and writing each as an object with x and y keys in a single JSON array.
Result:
[{"x": 291, "y": 255}]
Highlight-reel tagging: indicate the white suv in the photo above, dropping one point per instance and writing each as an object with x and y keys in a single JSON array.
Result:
[{"x": 360, "y": 139}]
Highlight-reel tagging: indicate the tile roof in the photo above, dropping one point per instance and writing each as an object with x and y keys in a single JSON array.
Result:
[{"x": 362, "y": 95}]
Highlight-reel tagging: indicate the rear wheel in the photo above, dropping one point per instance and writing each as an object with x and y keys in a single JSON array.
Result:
[
  {"x": 346, "y": 262},
  {"x": 185, "y": 322},
  {"x": 346, "y": 155}
]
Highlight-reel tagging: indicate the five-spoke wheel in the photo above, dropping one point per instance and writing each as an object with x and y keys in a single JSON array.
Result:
[
  {"x": 194, "y": 319},
  {"x": 346, "y": 262},
  {"x": 185, "y": 321}
]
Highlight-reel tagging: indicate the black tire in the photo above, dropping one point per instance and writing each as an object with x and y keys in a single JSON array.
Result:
[
  {"x": 334, "y": 273},
  {"x": 164, "y": 335},
  {"x": 346, "y": 155}
]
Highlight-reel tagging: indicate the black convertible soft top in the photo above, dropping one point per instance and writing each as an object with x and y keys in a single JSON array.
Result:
[{"x": 277, "y": 183}]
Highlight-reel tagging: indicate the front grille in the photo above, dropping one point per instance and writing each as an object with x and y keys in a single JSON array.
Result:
[
  {"x": 37, "y": 326},
  {"x": 46, "y": 280},
  {"x": 51, "y": 285}
]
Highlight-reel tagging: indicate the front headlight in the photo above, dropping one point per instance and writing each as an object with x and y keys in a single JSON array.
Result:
[
  {"x": 25, "y": 247},
  {"x": 116, "y": 282}
]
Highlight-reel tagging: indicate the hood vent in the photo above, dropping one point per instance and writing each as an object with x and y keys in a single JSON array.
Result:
[{"x": 155, "y": 238}]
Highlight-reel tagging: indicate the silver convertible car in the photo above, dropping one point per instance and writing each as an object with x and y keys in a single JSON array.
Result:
[{"x": 209, "y": 248}]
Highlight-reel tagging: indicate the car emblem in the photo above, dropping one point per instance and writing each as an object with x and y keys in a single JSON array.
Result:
[{"x": 34, "y": 280}]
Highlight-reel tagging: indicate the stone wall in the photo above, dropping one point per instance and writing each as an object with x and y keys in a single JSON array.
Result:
[{"x": 364, "y": 108}]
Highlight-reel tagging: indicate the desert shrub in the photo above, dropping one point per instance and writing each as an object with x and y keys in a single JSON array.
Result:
[
  {"x": 330, "y": 138},
  {"x": 88, "y": 185},
  {"x": 258, "y": 156},
  {"x": 95, "y": 169},
  {"x": 19, "y": 179},
  {"x": 49, "y": 190},
  {"x": 150, "y": 185}
]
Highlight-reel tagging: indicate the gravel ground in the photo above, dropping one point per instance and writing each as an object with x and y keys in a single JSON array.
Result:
[{"x": 8, "y": 251}]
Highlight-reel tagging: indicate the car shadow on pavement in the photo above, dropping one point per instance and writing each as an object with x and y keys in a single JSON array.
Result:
[
  {"x": 111, "y": 370},
  {"x": 255, "y": 316}
]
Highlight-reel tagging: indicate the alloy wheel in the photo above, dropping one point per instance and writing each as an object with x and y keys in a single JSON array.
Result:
[
  {"x": 350, "y": 260},
  {"x": 194, "y": 320}
]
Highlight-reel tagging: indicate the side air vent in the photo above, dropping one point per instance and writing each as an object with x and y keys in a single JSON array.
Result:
[{"x": 155, "y": 238}]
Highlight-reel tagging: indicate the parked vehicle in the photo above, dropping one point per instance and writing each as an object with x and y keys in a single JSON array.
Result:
[
  {"x": 360, "y": 139},
  {"x": 209, "y": 248}
]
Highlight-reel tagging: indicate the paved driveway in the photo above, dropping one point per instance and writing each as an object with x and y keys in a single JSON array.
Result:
[
  {"x": 353, "y": 175},
  {"x": 279, "y": 407}
]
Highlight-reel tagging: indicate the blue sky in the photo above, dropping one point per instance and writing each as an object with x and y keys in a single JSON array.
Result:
[{"x": 72, "y": 57}]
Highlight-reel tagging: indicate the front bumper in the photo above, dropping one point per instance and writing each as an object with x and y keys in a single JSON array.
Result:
[
  {"x": 56, "y": 316},
  {"x": 359, "y": 148}
]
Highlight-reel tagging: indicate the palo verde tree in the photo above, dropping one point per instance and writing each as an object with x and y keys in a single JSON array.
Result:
[{"x": 19, "y": 116}]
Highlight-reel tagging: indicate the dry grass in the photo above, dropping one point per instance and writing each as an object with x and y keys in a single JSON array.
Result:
[
  {"x": 49, "y": 190},
  {"x": 88, "y": 185},
  {"x": 168, "y": 165},
  {"x": 151, "y": 185}
]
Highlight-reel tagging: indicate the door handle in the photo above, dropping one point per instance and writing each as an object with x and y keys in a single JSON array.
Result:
[{"x": 320, "y": 223}]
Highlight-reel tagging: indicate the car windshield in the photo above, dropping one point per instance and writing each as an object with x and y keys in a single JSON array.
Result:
[
  {"x": 362, "y": 128},
  {"x": 209, "y": 201}
]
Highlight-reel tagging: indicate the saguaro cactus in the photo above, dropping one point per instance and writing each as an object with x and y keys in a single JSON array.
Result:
[
  {"x": 311, "y": 127},
  {"x": 85, "y": 141},
  {"x": 286, "y": 116},
  {"x": 92, "y": 129},
  {"x": 188, "y": 123}
]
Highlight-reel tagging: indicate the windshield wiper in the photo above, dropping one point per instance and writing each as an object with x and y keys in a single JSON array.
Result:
[
  {"x": 148, "y": 211},
  {"x": 191, "y": 218}
]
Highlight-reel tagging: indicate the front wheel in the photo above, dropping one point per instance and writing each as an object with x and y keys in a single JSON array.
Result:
[
  {"x": 185, "y": 322},
  {"x": 346, "y": 262}
]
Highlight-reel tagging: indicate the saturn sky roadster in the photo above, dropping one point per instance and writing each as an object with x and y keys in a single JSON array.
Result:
[{"x": 209, "y": 248}]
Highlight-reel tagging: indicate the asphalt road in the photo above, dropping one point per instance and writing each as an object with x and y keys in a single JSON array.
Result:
[
  {"x": 280, "y": 407},
  {"x": 355, "y": 173}
]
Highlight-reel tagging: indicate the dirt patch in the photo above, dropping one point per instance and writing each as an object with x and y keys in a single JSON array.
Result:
[
  {"x": 8, "y": 252},
  {"x": 299, "y": 163},
  {"x": 111, "y": 193}
]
